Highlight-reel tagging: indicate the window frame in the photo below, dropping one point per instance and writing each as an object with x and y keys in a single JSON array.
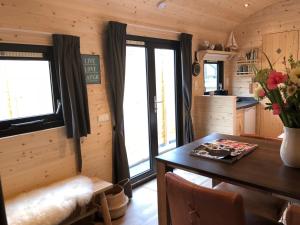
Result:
[
  {"x": 40, "y": 122},
  {"x": 220, "y": 73}
]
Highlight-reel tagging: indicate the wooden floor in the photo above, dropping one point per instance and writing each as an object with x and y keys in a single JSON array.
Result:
[{"x": 142, "y": 208}]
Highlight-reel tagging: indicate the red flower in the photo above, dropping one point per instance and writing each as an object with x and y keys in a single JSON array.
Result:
[
  {"x": 276, "y": 109},
  {"x": 274, "y": 79},
  {"x": 262, "y": 93}
]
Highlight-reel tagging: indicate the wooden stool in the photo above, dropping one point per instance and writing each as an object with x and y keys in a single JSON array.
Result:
[{"x": 100, "y": 186}]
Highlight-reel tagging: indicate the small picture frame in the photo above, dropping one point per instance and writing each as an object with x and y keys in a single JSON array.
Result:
[{"x": 91, "y": 67}]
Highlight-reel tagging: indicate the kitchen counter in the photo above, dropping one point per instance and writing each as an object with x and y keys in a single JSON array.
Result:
[{"x": 245, "y": 102}]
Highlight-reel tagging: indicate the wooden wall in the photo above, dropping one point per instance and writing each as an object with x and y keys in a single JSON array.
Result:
[
  {"x": 277, "y": 18},
  {"x": 276, "y": 26},
  {"x": 39, "y": 158},
  {"x": 240, "y": 86},
  {"x": 280, "y": 17},
  {"x": 214, "y": 114}
]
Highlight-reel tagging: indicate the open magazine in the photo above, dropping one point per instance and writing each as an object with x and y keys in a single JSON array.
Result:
[{"x": 223, "y": 150}]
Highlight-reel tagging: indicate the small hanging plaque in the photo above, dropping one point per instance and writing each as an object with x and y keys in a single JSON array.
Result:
[{"x": 91, "y": 66}]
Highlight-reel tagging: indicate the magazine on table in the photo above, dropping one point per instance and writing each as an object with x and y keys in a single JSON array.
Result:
[{"x": 223, "y": 150}]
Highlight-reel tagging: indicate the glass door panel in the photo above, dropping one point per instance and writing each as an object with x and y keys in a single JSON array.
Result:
[
  {"x": 135, "y": 107},
  {"x": 165, "y": 101},
  {"x": 152, "y": 106}
]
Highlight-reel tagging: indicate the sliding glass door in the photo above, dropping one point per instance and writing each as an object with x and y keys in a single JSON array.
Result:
[{"x": 151, "y": 105}]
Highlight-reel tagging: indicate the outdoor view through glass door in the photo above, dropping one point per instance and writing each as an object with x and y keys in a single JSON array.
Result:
[
  {"x": 165, "y": 99},
  {"x": 136, "y": 123},
  {"x": 150, "y": 104}
]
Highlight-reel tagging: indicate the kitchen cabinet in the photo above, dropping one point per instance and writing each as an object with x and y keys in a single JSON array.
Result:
[
  {"x": 239, "y": 121},
  {"x": 269, "y": 125},
  {"x": 250, "y": 120},
  {"x": 246, "y": 121}
]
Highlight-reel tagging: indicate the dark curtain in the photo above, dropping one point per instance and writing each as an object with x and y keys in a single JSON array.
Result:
[
  {"x": 115, "y": 63},
  {"x": 73, "y": 89},
  {"x": 186, "y": 65},
  {"x": 2, "y": 207}
]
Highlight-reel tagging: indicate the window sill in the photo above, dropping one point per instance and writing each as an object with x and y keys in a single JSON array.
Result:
[{"x": 25, "y": 130}]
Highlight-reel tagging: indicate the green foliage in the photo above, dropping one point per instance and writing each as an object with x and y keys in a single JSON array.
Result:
[
  {"x": 293, "y": 63},
  {"x": 261, "y": 76}
]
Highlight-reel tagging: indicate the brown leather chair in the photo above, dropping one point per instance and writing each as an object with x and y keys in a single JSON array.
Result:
[
  {"x": 293, "y": 215},
  {"x": 257, "y": 202},
  {"x": 261, "y": 137},
  {"x": 264, "y": 205},
  {"x": 191, "y": 204}
]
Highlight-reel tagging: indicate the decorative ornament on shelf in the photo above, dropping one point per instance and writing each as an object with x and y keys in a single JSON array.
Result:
[
  {"x": 283, "y": 92},
  {"x": 232, "y": 44}
]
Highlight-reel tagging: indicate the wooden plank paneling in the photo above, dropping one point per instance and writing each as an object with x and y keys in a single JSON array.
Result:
[
  {"x": 280, "y": 17},
  {"x": 241, "y": 85},
  {"x": 214, "y": 114},
  {"x": 288, "y": 43},
  {"x": 32, "y": 160},
  {"x": 280, "y": 45},
  {"x": 275, "y": 27},
  {"x": 270, "y": 26}
]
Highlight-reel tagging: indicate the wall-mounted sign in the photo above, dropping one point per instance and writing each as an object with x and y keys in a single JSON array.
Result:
[{"x": 91, "y": 66}]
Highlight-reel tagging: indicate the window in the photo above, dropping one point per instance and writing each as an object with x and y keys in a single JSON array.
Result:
[
  {"x": 29, "y": 96},
  {"x": 213, "y": 75}
]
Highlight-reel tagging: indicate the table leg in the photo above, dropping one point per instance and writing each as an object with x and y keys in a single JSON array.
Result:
[
  {"x": 163, "y": 211},
  {"x": 105, "y": 210}
]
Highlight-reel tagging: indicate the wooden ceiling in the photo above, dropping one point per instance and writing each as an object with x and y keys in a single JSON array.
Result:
[
  {"x": 185, "y": 15},
  {"x": 204, "y": 18}
]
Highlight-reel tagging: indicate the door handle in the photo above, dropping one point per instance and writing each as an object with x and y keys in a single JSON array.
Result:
[{"x": 155, "y": 104}]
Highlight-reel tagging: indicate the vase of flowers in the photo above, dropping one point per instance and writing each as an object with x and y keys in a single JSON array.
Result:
[{"x": 283, "y": 92}]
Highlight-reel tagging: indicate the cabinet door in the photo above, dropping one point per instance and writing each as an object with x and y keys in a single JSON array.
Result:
[
  {"x": 280, "y": 45},
  {"x": 269, "y": 125},
  {"x": 239, "y": 122},
  {"x": 276, "y": 46},
  {"x": 250, "y": 120}
]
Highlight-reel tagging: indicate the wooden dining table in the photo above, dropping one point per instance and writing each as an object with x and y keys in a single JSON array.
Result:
[{"x": 261, "y": 170}]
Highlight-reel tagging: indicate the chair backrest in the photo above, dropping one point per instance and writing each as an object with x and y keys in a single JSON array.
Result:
[
  {"x": 191, "y": 204},
  {"x": 3, "y": 220},
  {"x": 261, "y": 137},
  {"x": 293, "y": 215}
]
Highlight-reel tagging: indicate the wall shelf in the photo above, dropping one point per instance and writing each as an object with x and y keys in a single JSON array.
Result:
[
  {"x": 244, "y": 68},
  {"x": 216, "y": 55},
  {"x": 244, "y": 64}
]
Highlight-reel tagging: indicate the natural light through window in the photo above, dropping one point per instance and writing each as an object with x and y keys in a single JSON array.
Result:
[
  {"x": 211, "y": 76},
  {"x": 165, "y": 99},
  {"x": 136, "y": 109},
  {"x": 25, "y": 89}
]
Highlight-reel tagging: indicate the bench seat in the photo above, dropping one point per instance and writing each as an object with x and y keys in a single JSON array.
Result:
[{"x": 61, "y": 203}]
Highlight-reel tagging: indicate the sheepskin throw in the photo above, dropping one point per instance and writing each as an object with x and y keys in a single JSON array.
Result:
[{"x": 50, "y": 205}]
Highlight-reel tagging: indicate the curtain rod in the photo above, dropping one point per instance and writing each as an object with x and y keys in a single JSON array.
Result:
[
  {"x": 24, "y": 31},
  {"x": 154, "y": 28}
]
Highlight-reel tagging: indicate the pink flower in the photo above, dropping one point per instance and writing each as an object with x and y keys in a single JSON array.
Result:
[
  {"x": 276, "y": 109},
  {"x": 274, "y": 79},
  {"x": 262, "y": 93}
]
